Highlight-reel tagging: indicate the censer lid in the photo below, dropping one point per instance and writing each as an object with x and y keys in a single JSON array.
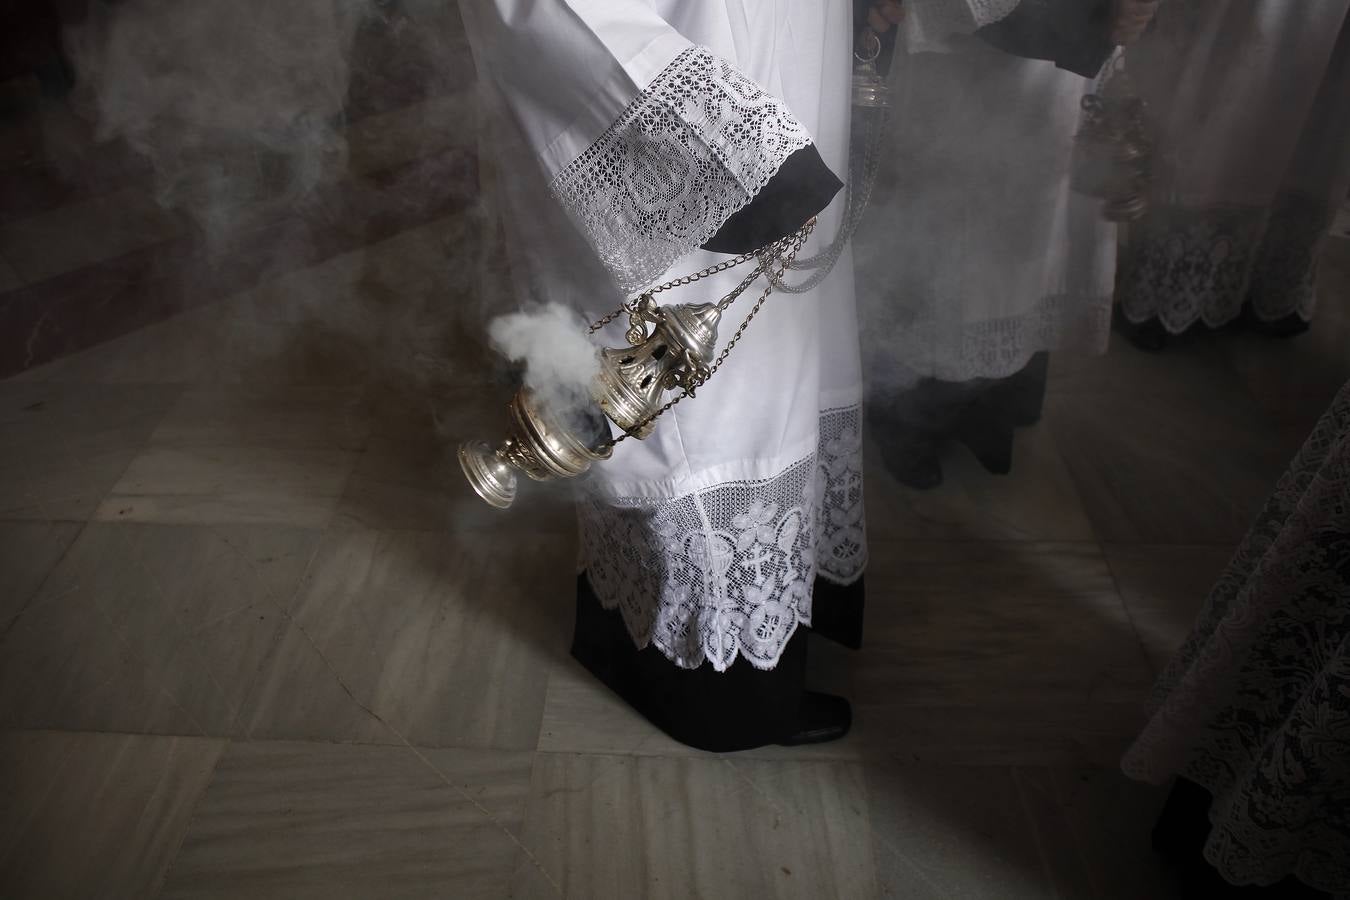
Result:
[{"x": 694, "y": 327}]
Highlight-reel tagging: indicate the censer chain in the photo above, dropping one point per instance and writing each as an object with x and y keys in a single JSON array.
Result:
[
  {"x": 774, "y": 249},
  {"x": 791, "y": 245},
  {"x": 863, "y": 170}
]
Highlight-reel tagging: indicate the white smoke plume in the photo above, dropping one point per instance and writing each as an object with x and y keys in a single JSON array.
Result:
[
  {"x": 560, "y": 361},
  {"x": 267, "y": 123},
  {"x": 235, "y": 106}
]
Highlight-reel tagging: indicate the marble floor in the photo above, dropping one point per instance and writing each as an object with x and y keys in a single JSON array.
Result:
[{"x": 258, "y": 640}]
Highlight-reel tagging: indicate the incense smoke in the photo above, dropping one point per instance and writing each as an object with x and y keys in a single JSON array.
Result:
[
  {"x": 559, "y": 360},
  {"x": 238, "y": 108},
  {"x": 289, "y": 141},
  {"x": 248, "y": 111}
]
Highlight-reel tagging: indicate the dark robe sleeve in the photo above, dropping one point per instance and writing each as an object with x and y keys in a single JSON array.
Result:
[
  {"x": 1074, "y": 34},
  {"x": 801, "y": 188}
]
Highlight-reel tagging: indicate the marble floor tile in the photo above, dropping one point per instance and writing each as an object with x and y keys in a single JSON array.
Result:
[
  {"x": 1164, "y": 589},
  {"x": 1095, "y": 827},
  {"x": 28, "y": 551},
  {"x": 1020, "y": 732},
  {"x": 295, "y": 820},
  {"x": 300, "y": 417},
  {"x": 581, "y": 715},
  {"x": 260, "y": 485},
  {"x": 65, "y": 446},
  {"x": 96, "y": 815},
  {"x": 995, "y": 653},
  {"x": 1037, "y": 501},
  {"x": 1168, "y": 469},
  {"x": 302, "y": 693},
  {"x": 618, "y": 827},
  {"x": 278, "y": 455},
  {"x": 188, "y": 348},
  {"x": 1195, "y": 367},
  {"x": 87, "y": 231},
  {"x": 255, "y": 337},
  {"x": 9, "y": 279},
  {"x": 380, "y": 309},
  {"x": 1293, "y": 380},
  {"x": 155, "y": 629},
  {"x": 942, "y": 832},
  {"x": 29, "y": 763},
  {"x": 448, "y": 638},
  {"x": 417, "y": 484},
  {"x": 409, "y": 475}
]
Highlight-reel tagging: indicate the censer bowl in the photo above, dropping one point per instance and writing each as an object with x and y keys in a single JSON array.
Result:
[
  {"x": 540, "y": 443},
  {"x": 489, "y": 474},
  {"x": 869, "y": 90}
]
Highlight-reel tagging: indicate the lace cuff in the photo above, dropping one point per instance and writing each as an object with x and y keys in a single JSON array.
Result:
[
  {"x": 696, "y": 146},
  {"x": 930, "y": 23}
]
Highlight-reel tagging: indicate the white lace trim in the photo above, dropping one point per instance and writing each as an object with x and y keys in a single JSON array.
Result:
[
  {"x": 1204, "y": 265},
  {"x": 987, "y": 12},
  {"x": 997, "y": 348},
  {"x": 1253, "y": 707},
  {"x": 729, "y": 570},
  {"x": 690, "y": 151}
]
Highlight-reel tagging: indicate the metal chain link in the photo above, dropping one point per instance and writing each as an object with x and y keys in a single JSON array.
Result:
[
  {"x": 629, "y": 306},
  {"x": 784, "y": 251},
  {"x": 863, "y": 169}
]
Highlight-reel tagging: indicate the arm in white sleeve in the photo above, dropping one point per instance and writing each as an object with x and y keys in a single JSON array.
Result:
[{"x": 649, "y": 142}]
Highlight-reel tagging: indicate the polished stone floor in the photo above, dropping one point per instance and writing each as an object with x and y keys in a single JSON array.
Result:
[{"x": 258, "y": 640}]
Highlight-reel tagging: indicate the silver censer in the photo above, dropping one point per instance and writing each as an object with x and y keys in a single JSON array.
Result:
[
  {"x": 629, "y": 391},
  {"x": 869, "y": 88},
  {"x": 1114, "y": 149}
]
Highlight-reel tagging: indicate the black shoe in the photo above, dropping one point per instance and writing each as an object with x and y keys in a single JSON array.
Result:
[
  {"x": 990, "y": 442},
  {"x": 1149, "y": 336},
  {"x": 1021, "y": 397},
  {"x": 914, "y": 464},
  {"x": 1291, "y": 325},
  {"x": 825, "y": 718}
]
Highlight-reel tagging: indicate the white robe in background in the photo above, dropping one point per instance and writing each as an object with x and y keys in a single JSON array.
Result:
[
  {"x": 627, "y": 131},
  {"x": 975, "y": 253},
  {"x": 1251, "y": 99}
]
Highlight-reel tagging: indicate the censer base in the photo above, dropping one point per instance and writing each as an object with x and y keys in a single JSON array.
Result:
[{"x": 489, "y": 475}]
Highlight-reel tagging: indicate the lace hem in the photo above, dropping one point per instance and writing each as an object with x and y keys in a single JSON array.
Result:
[
  {"x": 987, "y": 12},
  {"x": 1255, "y": 707},
  {"x": 1205, "y": 265},
  {"x": 728, "y": 571},
  {"x": 697, "y": 145},
  {"x": 998, "y": 348}
]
